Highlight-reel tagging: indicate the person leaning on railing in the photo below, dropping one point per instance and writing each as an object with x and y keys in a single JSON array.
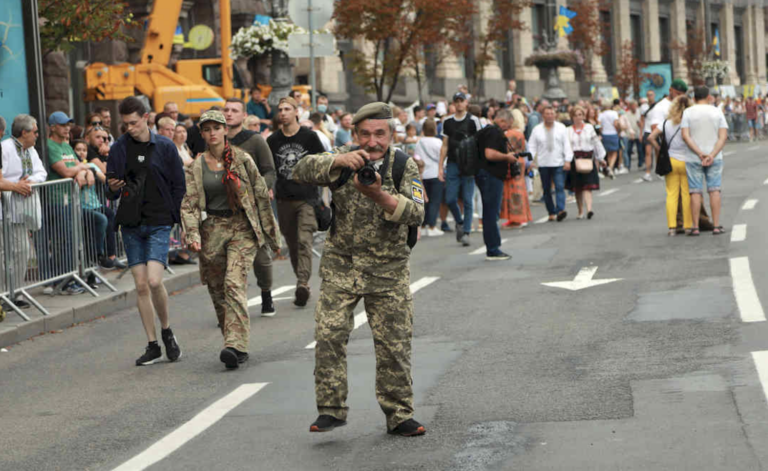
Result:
[{"x": 20, "y": 167}]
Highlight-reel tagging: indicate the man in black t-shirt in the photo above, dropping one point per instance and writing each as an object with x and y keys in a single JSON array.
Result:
[
  {"x": 455, "y": 128},
  {"x": 496, "y": 157},
  {"x": 295, "y": 201},
  {"x": 146, "y": 218}
]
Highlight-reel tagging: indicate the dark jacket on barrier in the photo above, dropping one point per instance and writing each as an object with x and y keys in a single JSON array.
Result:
[{"x": 165, "y": 163}]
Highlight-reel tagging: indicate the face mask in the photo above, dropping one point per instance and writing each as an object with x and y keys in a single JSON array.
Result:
[{"x": 322, "y": 108}]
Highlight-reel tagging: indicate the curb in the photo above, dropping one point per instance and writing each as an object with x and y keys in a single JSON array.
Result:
[{"x": 105, "y": 305}]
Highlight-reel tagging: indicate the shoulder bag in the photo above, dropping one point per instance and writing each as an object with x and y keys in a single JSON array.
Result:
[{"x": 663, "y": 162}]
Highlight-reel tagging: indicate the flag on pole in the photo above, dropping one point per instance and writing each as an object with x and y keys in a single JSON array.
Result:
[
  {"x": 563, "y": 24},
  {"x": 716, "y": 42}
]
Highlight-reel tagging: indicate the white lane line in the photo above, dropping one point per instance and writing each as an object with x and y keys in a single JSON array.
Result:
[
  {"x": 761, "y": 365},
  {"x": 542, "y": 220},
  {"x": 765, "y": 182},
  {"x": 749, "y": 149},
  {"x": 362, "y": 318},
  {"x": 609, "y": 192},
  {"x": 730, "y": 152},
  {"x": 199, "y": 423},
  {"x": 744, "y": 289},
  {"x": 257, "y": 300},
  {"x": 749, "y": 204},
  {"x": 739, "y": 233},
  {"x": 638, "y": 180},
  {"x": 482, "y": 249}
]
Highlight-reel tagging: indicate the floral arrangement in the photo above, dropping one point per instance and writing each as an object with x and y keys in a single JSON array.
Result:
[
  {"x": 556, "y": 58},
  {"x": 260, "y": 39},
  {"x": 716, "y": 69}
]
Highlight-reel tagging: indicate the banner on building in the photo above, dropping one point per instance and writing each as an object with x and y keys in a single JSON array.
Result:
[
  {"x": 657, "y": 77},
  {"x": 14, "y": 88}
]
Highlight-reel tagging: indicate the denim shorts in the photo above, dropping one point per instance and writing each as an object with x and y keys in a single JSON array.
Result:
[
  {"x": 752, "y": 123},
  {"x": 698, "y": 173},
  {"x": 145, "y": 243}
]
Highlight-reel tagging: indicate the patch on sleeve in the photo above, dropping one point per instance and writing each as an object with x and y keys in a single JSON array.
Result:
[
  {"x": 417, "y": 193},
  {"x": 417, "y": 183}
]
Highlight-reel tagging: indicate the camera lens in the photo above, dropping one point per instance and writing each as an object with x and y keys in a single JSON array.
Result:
[{"x": 366, "y": 176}]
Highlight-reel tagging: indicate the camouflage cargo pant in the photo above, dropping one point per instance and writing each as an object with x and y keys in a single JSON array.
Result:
[
  {"x": 227, "y": 252},
  {"x": 262, "y": 268},
  {"x": 390, "y": 316},
  {"x": 298, "y": 224}
]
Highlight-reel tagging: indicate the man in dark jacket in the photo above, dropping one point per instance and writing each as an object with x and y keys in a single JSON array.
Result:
[{"x": 145, "y": 172}]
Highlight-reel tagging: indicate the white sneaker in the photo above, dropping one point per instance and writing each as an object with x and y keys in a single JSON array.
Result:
[
  {"x": 430, "y": 232},
  {"x": 647, "y": 177},
  {"x": 622, "y": 171}
]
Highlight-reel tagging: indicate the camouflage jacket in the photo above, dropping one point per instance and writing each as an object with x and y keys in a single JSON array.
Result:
[
  {"x": 367, "y": 251},
  {"x": 254, "y": 198}
]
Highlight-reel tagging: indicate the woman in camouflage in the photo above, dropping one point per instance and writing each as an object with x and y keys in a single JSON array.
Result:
[{"x": 227, "y": 216}]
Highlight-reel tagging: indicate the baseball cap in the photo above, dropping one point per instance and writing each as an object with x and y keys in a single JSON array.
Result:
[
  {"x": 59, "y": 117},
  {"x": 679, "y": 85},
  {"x": 212, "y": 115},
  {"x": 431, "y": 106},
  {"x": 459, "y": 96}
]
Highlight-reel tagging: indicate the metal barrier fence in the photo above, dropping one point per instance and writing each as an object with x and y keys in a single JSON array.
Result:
[{"x": 738, "y": 128}]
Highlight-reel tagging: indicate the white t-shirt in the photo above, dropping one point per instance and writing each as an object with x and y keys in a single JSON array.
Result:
[
  {"x": 324, "y": 140},
  {"x": 659, "y": 113},
  {"x": 428, "y": 151},
  {"x": 704, "y": 122},
  {"x": 678, "y": 149},
  {"x": 606, "y": 119},
  {"x": 641, "y": 112}
]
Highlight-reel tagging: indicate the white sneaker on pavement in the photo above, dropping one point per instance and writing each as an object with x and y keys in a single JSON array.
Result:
[
  {"x": 647, "y": 177},
  {"x": 434, "y": 232}
]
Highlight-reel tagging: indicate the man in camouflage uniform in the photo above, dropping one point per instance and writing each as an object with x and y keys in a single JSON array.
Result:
[{"x": 366, "y": 257}]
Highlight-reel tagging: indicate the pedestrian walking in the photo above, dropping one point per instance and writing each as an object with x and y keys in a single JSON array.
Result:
[
  {"x": 227, "y": 217},
  {"x": 367, "y": 257},
  {"x": 457, "y": 186},
  {"x": 515, "y": 207},
  {"x": 428, "y": 151},
  {"x": 705, "y": 132},
  {"x": 256, "y": 147},
  {"x": 146, "y": 174},
  {"x": 609, "y": 123},
  {"x": 588, "y": 150},
  {"x": 295, "y": 201},
  {"x": 550, "y": 145}
]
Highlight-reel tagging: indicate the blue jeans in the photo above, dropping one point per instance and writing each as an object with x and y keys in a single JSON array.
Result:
[
  {"x": 640, "y": 153},
  {"x": 145, "y": 243},
  {"x": 625, "y": 151},
  {"x": 548, "y": 175},
  {"x": 491, "y": 192},
  {"x": 455, "y": 182},
  {"x": 434, "y": 189},
  {"x": 95, "y": 226}
]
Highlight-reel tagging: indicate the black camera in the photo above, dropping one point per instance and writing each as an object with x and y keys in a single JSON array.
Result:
[{"x": 367, "y": 174}]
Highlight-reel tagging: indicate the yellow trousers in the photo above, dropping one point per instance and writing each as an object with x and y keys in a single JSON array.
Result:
[{"x": 677, "y": 183}]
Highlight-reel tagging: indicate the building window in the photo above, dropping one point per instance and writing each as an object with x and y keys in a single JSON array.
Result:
[
  {"x": 739, "y": 41},
  {"x": 665, "y": 35},
  {"x": 538, "y": 25},
  {"x": 605, "y": 30},
  {"x": 637, "y": 37}
]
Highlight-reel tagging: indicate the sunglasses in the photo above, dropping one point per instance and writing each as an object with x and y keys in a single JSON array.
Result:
[{"x": 95, "y": 123}]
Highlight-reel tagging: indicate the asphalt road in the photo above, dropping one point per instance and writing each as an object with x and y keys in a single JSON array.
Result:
[{"x": 654, "y": 371}]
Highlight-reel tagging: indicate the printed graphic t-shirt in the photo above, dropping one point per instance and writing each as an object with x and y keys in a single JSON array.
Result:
[{"x": 287, "y": 151}]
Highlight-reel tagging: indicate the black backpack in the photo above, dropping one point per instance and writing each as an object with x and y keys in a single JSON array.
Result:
[
  {"x": 398, "y": 170},
  {"x": 468, "y": 156},
  {"x": 663, "y": 162}
]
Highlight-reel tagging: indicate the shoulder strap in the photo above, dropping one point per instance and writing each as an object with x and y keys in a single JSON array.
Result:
[{"x": 398, "y": 167}]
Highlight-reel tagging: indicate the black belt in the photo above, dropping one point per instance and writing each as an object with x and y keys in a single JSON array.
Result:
[{"x": 222, "y": 213}]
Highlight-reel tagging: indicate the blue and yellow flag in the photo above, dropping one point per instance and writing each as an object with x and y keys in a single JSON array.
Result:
[
  {"x": 178, "y": 36},
  {"x": 563, "y": 24},
  {"x": 716, "y": 42}
]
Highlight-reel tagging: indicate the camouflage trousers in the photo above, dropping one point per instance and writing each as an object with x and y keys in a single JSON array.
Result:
[
  {"x": 227, "y": 252},
  {"x": 262, "y": 268},
  {"x": 390, "y": 315}
]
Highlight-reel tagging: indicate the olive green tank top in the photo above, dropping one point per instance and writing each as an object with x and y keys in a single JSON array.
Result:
[{"x": 215, "y": 192}]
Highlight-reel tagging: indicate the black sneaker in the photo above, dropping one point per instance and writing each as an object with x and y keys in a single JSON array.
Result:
[
  {"x": 497, "y": 256},
  {"x": 409, "y": 428},
  {"x": 302, "y": 295},
  {"x": 562, "y": 215},
  {"x": 232, "y": 358},
  {"x": 465, "y": 240},
  {"x": 267, "y": 305},
  {"x": 326, "y": 423},
  {"x": 151, "y": 355},
  {"x": 118, "y": 264},
  {"x": 459, "y": 232},
  {"x": 172, "y": 349},
  {"x": 106, "y": 263}
]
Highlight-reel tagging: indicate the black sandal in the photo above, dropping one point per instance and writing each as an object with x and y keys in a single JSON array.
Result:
[
  {"x": 694, "y": 232},
  {"x": 718, "y": 230}
]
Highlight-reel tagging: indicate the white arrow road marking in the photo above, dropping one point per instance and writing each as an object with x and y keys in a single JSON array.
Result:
[
  {"x": 765, "y": 182},
  {"x": 739, "y": 233},
  {"x": 482, "y": 249},
  {"x": 609, "y": 192},
  {"x": 761, "y": 365},
  {"x": 752, "y": 148},
  {"x": 749, "y": 204},
  {"x": 199, "y": 423},
  {"x": 542, "y": 220},
  {"x": 730, "y": 152},
  {"x": 638, "y": 180},
  {"x": 362, "y": 318},
  {"x": 257, "y": 300},
  {"x": 744, "y": 289},
  {"x": 583, "y": 280}
]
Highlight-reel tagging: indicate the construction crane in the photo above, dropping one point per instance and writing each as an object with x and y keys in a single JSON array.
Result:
[{"x": 194, "y": 84}]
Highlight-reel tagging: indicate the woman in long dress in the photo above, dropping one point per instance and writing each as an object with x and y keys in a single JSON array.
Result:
[
  {"x": 515, "y": 207},
  {"x": 586, "y": 145}
]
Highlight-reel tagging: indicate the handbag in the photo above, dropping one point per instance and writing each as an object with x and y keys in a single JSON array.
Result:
[
  {"x": 663, "y": 162},
  {"x": 583, "y": 162},
  {"x": 323, "y": 215}
]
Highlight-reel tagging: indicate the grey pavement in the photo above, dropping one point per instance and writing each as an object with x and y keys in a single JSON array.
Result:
[{"x": 652, "y": 372}]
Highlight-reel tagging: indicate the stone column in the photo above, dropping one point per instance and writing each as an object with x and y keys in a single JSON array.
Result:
[
  {"x": 330, "y": 75},
  {"x": 492, "y": 70},
  {"x": 566, "y": 74},
  {"x": 651, "y": 33},
  {"x": 760, "y": 43},
  {"x": 750, "y": 38},
  {"x": 679, "y": 36},
  {"x": 599, "y": 75},
  {"x": 522, "y": 44},
  {"x": 728, "y": 43},
  {"x": 622, "y": 29}
]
